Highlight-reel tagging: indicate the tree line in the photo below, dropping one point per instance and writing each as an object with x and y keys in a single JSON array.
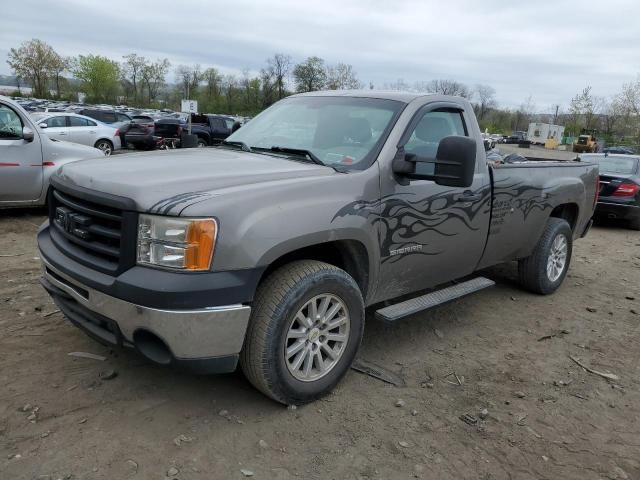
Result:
[{"x": 142, "y": 82}]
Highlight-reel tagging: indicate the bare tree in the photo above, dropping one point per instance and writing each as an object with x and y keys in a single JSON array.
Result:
[
  {"x": 449, "y": 87},
  {"x": 612, "y": 112},
  {"x": 399, "y": 85},
  {"x": 584, "y": 108},
  {"x": 188, "y": 78},
  {"x": 58, "y": 65},
  {"x": 278, "y": 68},
  {"x": 486, "y": 100},
  {"x": 153, "y": 77},
  {"x": 629, "y": 100},
  {"x": 342, "y": 77},
  {"x": 131, "y": 71}
]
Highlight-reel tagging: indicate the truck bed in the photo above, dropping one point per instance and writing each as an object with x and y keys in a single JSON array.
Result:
[{"x": 524, "y": 195}]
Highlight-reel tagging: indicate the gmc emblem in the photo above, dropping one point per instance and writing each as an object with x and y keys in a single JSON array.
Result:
[{"x": 72, "y": 222}]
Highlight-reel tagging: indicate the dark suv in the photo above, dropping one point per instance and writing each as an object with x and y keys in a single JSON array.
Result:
[{"x": 122, "y": 120}]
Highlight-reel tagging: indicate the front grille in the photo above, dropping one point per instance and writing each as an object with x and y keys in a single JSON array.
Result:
[{"x": 94, "y": 234}]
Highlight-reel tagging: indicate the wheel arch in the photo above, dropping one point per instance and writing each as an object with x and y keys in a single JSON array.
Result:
[
  {"x": 350, "y": 255},
  {"x": 567, "y": 211}
]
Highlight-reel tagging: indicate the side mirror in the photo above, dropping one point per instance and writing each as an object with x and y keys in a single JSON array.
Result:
[
  {"x": 455, "y": 163},
  {"x": 27, "y": 134},
  {"x": 487, "y": 145},
  {"x": 42, "y": 125}
]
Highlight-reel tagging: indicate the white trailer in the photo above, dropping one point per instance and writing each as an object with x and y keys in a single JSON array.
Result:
[{"x": 541, "y": 132}]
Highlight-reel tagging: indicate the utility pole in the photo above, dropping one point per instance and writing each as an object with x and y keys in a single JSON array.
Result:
[{"x": 555, "y": 117}]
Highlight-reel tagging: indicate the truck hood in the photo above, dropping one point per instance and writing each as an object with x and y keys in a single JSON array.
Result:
[{"x": 167, "y": 182}]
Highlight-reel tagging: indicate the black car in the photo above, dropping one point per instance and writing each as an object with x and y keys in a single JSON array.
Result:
[
  {"x": 518, "y": 137},
  {"x": 105, "y": 116},
  {"x": 619, "y": 149},
  {"x": 141, "y": 132},
  {"x": 619, "y": 187},
  {"x": 211, "y": 129}
]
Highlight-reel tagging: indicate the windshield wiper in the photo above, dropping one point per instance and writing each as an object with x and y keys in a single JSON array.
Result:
[
  {"x": 299, "y": 151},
  {"x": 236, "y": 143}
]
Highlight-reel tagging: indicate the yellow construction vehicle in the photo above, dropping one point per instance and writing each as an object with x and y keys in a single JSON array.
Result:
[{"x": 586, "y": 142}]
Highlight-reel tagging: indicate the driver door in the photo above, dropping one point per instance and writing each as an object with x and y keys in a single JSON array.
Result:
[
  {"x": 56, "y": 128},
  {"x": 431, "y": 233},
  {"x": 20, "y": 160}
]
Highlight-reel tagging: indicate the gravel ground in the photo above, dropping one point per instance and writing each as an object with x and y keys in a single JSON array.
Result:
[{"x": 502, "y": 350}]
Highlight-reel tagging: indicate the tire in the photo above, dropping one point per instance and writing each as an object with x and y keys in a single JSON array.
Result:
[
  {"x": 535, "y": 272},
  {"x": 105, "y": 145},
  {"x": 279, "y": 299},
  {"x": 201, "y": 143},
  {"x": 634, "y": 224}
]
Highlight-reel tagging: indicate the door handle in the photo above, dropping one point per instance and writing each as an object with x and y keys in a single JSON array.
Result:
[
  {"x": 92, "y": 131},
  {"x": 62, "y": 133},
  {"x": 467, "y": 196}
]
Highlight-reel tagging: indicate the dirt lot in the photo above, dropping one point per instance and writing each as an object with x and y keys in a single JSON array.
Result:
[{"x": 547, "y": 417}]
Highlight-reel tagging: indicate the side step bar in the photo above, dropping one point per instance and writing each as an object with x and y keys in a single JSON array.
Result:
[{"x": 430, "y": 300}]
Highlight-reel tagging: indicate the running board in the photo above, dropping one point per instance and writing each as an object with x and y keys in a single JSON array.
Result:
[{"x": 430, "y": 300}]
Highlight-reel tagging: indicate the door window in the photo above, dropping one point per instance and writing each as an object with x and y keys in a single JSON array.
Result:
[
  {"x": 79, "y": 122},
  {"x": 54, "y": 122},
  {"x": 425, "y": 137},
  {"x": 10, "y": 124}
]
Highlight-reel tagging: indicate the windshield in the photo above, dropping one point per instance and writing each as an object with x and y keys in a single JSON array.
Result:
[
  {"x": 613, "y": 164},
  {"x": 339, "y": 131}
]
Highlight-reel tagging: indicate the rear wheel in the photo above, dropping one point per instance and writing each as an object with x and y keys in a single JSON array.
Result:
[
  {"x": 105, "y": 145},
  {"x": 544, "y": 270},
  {"x": 305, "y": 330},
  {"x": 634, "y": 224},
  {"x": 202, "y": 143}
]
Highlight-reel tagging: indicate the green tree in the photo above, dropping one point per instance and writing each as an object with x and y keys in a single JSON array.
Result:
[
  {"x": 99, "y": 76},
  {"x": 310, "y": 75},
  {"x": 35, "y": 61}
]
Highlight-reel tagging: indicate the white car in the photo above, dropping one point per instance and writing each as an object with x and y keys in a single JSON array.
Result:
[
  {"x": 75, "y": 128},
  {"x": 28, "y": 157}
]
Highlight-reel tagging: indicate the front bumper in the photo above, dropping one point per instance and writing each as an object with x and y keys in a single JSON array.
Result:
[{"x": 209, "y": 339}]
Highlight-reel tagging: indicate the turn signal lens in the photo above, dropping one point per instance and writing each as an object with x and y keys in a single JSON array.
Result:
[{"x": 201, "y": 237}]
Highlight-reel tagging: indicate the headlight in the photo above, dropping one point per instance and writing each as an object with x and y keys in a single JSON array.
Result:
[{"x": 173, "y": 242}]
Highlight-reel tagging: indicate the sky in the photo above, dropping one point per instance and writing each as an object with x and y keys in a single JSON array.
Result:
[{"x": 547, "y": 49}]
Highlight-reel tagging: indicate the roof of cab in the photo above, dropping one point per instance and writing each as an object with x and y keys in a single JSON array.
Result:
[{"x": 405, "y": 97}]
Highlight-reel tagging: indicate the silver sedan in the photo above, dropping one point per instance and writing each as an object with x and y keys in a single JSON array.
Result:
[{"x": 76, "y": 128}]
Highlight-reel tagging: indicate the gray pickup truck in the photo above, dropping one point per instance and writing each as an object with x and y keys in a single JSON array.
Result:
[{"x": 266, "y": 250}]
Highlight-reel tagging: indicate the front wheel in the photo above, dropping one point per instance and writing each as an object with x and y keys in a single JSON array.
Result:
[
  {"x": 106, "y": 146},
  {"x": 305, "y": 329},
  {"x": 201, "y": 143},
  {"x": 544, "y": 270}
]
